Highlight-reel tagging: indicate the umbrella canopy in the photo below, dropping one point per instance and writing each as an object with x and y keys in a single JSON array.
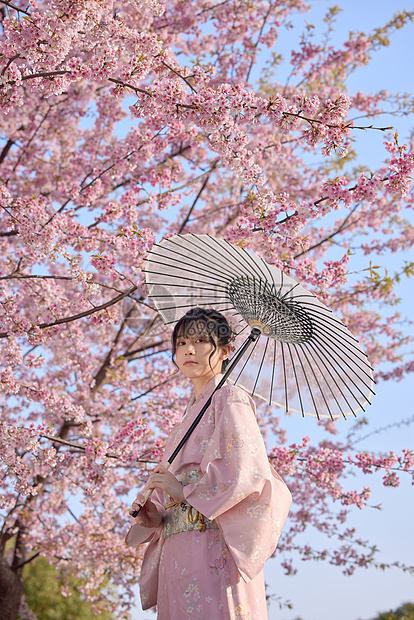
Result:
[{"x": 306, "y": 359}]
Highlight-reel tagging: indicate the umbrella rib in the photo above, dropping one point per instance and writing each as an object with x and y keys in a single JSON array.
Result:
[
  {"x": 174, "y": 243},
  {"x": 297, "y": 385},
  {"x": 172, "y": 275},
  {"x": 317, "y": 311},
  {"x": 203, "y": 296},
  {"x": 284, "y": 376},
  {"x": 315, "y": 308},
  {"x": 309, "y": 387},
  {"x": 213, "y": 276},
  {"x": 337, "y": 343},
  {"x": 255, "y": 295},
  {"x": 341, "y": 360},
  {"x": 337, "y": 323},
  {"x": 244, "y": 365},
  {"x": 333, "y": 379},
  {"x": 270, "y": 272},
  {"x": 242, "y": 329},
  {"x": 173, "y": 258},
  {"x": 261, "y": 366},
  {"x": 354, "y": 354},
  {"x": 310, "y": 296},
  {"x": 338, "y": 327},
  {"x": 352, "y": 347},
  {"x": 281, "y": 283},
  {"x": 241, "y": 252},
  {"x": 317, "y": 381},
  {"x": 289, "y": 291},
  {"x": 189, "y": 287},
  {"x": 186, "y": 306},
  {"x": 347, "y": 375},
  {"x": 215, "y": 254},
  {"x": 273, "y": 371},
  {"x": 248, "y": 258},
  {"x": 240, "y": 319}
]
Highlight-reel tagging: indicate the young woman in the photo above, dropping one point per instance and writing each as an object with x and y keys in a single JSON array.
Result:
[{"x": 215, "y": 516}]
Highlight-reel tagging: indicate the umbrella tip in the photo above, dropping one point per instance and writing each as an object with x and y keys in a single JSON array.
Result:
[{"x": 255, "y": 334}]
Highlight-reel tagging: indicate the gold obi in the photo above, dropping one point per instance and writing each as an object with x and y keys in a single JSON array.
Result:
[{"x": 181, "y": 517}]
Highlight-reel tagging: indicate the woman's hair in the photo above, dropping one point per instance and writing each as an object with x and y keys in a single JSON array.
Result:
[{"x": 203, "y": 321}]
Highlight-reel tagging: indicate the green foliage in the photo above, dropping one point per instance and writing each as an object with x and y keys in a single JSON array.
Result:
[
  {"x": 42, "y": 592},
  {"x": 405, "y": 612}
]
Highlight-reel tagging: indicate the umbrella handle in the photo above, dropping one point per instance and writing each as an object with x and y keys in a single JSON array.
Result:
[{"x": 147, "y": 495}]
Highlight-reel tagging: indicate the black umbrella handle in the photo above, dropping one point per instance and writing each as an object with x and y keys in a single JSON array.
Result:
[{"x": 254, "y": 335}]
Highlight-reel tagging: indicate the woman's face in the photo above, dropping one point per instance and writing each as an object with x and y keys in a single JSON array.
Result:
[{"x": 192, "y": 355}]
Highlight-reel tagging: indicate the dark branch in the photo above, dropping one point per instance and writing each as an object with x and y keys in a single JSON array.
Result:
[
  {"x": 6, "y": 149},
  {"x": 341, "y": 228},
  {"x": 45, "y": 74},
  {"x": 202, "y": 188},
  {"x": 13, "y": 6},
  {"x": 100, "y": 376},
  {"x": 342, "y": 126},
  {"x": 179, "y": 75},
  {"x": 26, "y": 561},
  {"x": 81, "y": 315}
]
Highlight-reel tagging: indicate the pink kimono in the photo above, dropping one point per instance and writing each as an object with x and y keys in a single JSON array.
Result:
[{"x": 217, "y": 573}]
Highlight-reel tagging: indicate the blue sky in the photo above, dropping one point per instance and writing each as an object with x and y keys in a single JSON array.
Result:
[{"x": 320, "y": 591}]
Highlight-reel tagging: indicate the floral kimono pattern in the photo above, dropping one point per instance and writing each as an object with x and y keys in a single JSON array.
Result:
[{"x": 216, "y": 573}]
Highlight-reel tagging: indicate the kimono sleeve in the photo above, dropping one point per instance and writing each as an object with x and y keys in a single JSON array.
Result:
[
  {"x": 138, "y": 535},
  {"x": 238, "y": 487}
]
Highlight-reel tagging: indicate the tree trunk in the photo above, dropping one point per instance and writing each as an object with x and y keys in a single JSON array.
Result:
[{"x": 11, "y": 591}]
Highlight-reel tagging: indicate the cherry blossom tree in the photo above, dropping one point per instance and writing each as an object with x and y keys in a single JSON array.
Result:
[{"x": 124, "y": 121}]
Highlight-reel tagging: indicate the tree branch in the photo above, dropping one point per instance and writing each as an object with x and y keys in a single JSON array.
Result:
[
  {"x": 257, "y": 43},
  {"x": 45, "y": 74},
  {"x": 179, "y": 75},
  {"x": 16, "y": 276},
  {"x": 347, "y": 125},
  {"x": 81, "y": 315},
  {"x": 109, "y": 455},
  {"x": 6, "y": 149},
  {"x": 151, "y": 389},
  {"x": 342, "y": 227},
  {"x": 99, "y": 378},
  {"x": 180, "y": 187},
  {"x": 26, "y": 561},
  {"x": 126, "y": 85},
  {"x": 206, "y": 180},
  {"x": 145, "y": 92},
  {"x": 13, "y": 6},
  {"x": 133, "y": 357}
]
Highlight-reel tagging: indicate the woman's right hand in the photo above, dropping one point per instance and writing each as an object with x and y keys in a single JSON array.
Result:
[{"x": 149, "y": 516}]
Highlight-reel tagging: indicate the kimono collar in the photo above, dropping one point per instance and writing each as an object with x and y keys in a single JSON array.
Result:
[{"x": 210, "y": 387}]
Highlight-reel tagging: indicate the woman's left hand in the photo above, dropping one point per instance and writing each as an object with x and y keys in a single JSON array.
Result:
[{"x": 162, "y": 479}]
